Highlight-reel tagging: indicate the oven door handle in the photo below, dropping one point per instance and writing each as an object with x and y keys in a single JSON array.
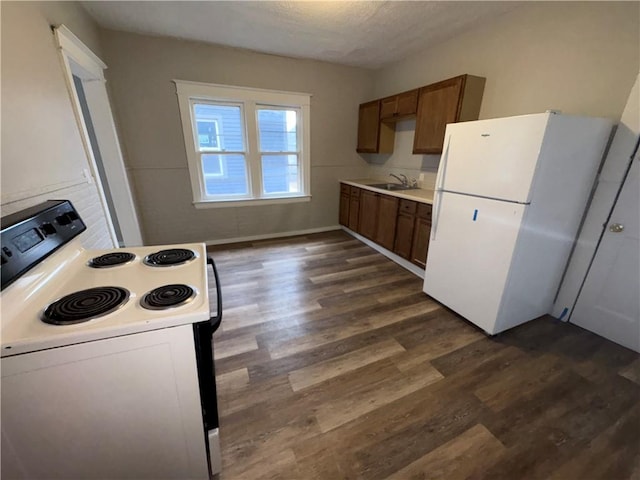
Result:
[{"x": 215, "y": 320}]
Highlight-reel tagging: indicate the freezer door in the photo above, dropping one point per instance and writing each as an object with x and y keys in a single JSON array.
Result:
[
  {"x": 492, "y": 158},
  {"x": 472, "y": 243}
]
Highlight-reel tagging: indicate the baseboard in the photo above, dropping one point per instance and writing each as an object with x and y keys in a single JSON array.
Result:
[
  {"x": 268, "y": 236},
  {"x": 417, "y": 271}
]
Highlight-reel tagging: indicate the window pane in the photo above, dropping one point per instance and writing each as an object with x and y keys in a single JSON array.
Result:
[
  {"x": 278, "y": 130},
  {"x": 219, "y": 127},
  {"x": 280, "y": 174},
  {"x": 225, "y": 174}
]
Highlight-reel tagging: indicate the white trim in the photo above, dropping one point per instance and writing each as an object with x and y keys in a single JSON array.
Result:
[
  {"x": 248, "y": 99},
  {"x": 199, "y": 88},
  {"x": 74, "y": 47},
  {"x": 252, "y": 202},
  {"x": 269, "y": 236},
  {"x": 78, "y": 59},
  {"x": 417, "y": 271},
  {"x": 69, "y": 46}
]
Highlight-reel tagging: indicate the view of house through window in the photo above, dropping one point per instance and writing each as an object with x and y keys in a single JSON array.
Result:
[
  {"x": 220, "y": 130},
  {"x": 277, "y": 130},
  {"x": 244, "y": 144}
]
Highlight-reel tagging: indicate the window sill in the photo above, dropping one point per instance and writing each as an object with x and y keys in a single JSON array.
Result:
[{"x": 251, "y": 202}]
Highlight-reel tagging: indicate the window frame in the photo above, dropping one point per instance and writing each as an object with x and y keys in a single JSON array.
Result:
[{"x": 251, "y": 101}]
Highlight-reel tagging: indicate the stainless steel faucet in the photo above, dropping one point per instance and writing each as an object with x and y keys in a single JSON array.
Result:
[{"x": 404, "y": 180}]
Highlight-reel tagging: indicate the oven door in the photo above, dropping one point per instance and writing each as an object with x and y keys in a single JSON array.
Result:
[{"x": 203, "y": 341}]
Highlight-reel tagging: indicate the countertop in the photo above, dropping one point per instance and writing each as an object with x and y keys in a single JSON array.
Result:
[{"x": 417, "y": 195}]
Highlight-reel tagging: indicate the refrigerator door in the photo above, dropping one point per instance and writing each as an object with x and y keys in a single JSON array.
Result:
[
  {"x": 472, "y": 243},
  {"x": 494, "y": 158}
]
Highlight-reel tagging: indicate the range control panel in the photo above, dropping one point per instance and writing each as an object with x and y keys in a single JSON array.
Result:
[{"x": 31, "y": 235}]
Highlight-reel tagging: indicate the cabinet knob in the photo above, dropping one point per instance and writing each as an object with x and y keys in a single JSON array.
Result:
[{"x": 616, "y": 227}]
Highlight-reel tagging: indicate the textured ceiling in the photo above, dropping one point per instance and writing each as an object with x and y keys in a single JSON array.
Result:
[{"x": 367, "y": 34}]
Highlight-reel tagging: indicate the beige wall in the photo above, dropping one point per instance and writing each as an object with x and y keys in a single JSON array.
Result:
[
  {"x": 42, "y": 152},
  {"x": 140, "y": 72},
  {"x": 578, "y": 57}
]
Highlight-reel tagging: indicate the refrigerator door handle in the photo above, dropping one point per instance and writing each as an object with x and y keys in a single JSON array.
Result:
[
  {"x": 442, "y": 170},
  {"x": 436, "y": 216}
]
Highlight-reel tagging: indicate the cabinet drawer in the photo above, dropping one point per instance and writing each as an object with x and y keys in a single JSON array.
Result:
[
  {"x": 345, "y": 188},
  {"x": 424, "y": 211},
  {"x": 355, "y": 191},
  {"x": 408, "y": 206}
]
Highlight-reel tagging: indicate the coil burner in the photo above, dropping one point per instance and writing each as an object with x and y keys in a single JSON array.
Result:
[
  {"x": 111, "y": 259},
  {"x": 168, "y": 296},
  {"x": 85, "y": 305},
  {"x": 170, "y": 257}
]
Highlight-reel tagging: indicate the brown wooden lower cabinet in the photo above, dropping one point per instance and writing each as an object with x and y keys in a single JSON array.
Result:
[
  {"x": 404, "y": 235},
  {"x": 354, "y": 208},
  {"x": 387, "y": 219},
  {"x": 344, "y": 209},
  {"x": 368, "y": 214},
  {"x": 399, "y": 225},
  {"x": 421, "y": 234}
]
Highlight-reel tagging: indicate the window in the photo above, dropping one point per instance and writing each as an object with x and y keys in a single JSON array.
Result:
[{"x": 245, "y": 145}]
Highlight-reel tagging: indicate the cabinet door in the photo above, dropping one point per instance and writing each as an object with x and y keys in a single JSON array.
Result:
[
  {"x": 438, "y": 105},
  {"x": 420, "y": 246},
  {"x": 404, "y": 235},
  {"x": 401, "y": 105},
  {"x": 388, "y": 107},
  {"x": 354, "y": 209},
  {"x": 368, "y": 214},
  {"x": 344, "y": 209},
  {"x": 368, "y": 127},
  {"x": 387, "y": 217},
  {"x": 407, "y": 103}
]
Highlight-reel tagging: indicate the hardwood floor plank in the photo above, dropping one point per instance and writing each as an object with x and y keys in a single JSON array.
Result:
[
  {"x": 459, "y": 458},
  {"x": 525, "y": 378},
  {"x": 233, "y": 380},
  {"x": 355, "y": 404},
  {"x": 620, "y": 443},
  {"x": 235, "y": 346},
  {"x": 357, "y": 326},
  {"x": 632, "y": 371},
  {"x": 320, "y": 372}
]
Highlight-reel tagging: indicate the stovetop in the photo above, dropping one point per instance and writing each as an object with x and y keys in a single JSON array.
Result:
[{"x": 68, "y": 271}]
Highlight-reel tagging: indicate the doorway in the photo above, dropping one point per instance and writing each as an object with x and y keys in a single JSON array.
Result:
[{"x": 86, "y": 83}]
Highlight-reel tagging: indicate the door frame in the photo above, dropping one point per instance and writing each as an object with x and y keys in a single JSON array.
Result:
[{"x": 77, "y": 59}]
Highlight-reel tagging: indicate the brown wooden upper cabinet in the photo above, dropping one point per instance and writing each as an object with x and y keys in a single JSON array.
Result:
[
  {"x": 399, "y": 106},
  {"x": 373, "y": 136},
  {"x": 457, "y": 99}
]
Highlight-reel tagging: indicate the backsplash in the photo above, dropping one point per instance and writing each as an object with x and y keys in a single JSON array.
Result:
[{"x": 403, "y": 160}]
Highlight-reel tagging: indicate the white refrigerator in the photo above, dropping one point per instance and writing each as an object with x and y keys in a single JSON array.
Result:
[{"x": 509, "y": 198}]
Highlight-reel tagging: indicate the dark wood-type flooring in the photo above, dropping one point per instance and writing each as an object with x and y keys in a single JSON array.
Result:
[{"x": 332, "y": 364}]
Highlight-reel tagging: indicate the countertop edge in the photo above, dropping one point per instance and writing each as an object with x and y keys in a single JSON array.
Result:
[{"x": 424, "y": 196}]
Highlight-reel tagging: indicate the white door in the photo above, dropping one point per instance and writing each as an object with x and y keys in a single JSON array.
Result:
[
  {"x": 470, "y": 252},
  {"x": 609, "y": 303},
  {"x": 494, "y": 158}
]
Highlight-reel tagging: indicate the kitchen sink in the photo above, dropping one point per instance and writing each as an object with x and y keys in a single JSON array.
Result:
[{"x": 393, "y": 186}]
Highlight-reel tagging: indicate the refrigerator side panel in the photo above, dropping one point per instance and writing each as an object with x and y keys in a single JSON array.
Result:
[
  {"x": 494, "y": 158},
  {"x": 569, "y": 161},
  {"x": 469, "y": 255}
]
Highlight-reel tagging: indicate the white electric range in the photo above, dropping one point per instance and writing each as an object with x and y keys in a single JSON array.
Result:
[{"x": 107, "y": 357}]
